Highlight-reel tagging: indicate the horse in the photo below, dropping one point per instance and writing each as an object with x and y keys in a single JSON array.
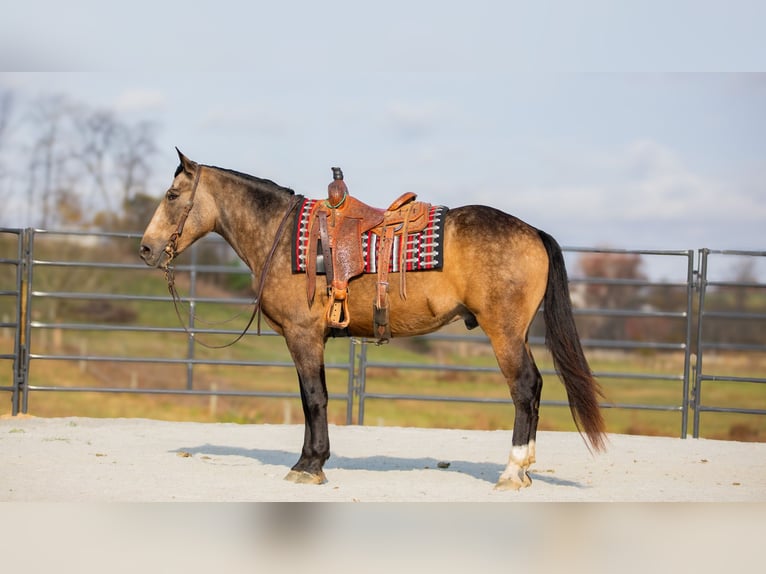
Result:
[{"x": 497, "y": 271}]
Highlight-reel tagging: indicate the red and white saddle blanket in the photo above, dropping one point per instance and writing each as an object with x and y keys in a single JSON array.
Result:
[{"x": 423, "y": 250}]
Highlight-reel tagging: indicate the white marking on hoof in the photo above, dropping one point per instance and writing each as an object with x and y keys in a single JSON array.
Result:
[
  {"x": 513, "y": 479},
  {"x": 515, "y": 474},
  {"x": 520, "y": 455}
]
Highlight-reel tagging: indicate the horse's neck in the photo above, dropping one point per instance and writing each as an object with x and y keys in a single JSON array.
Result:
[{"x": 249, "y": 222}]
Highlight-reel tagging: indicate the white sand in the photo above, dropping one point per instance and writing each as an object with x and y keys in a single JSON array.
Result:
[{"x": 82, "y": 459}]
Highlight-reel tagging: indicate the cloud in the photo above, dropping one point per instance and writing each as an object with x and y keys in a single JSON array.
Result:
[
  {"x": 20, "y": 53},
  {"x": 644, "y": 180},
  {"x": 417, "y": 120},
  {"x": 644, "y": 159},
  {"x": 260, "y": 119},
  {"x": 641, "y": 195},
  {"x": 666, "y": 188},
  {"x": 140, "y": 100}
]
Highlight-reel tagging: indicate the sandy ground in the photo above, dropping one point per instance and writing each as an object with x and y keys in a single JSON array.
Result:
[{"x": 105, "y": 460}]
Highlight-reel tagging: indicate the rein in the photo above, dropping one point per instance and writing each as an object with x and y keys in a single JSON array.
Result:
[{"x": 171, "y": 251}]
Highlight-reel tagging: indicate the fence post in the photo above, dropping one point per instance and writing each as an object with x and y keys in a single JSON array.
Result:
[
  {"x": 690, "y": 289},
  {"x": 190, "y": 345},
  {"x": 361, "y": 380},
  {"x": 18, "y": 337},
  {"x": 20, "y": 398},
  {"x": 352, "y": 342},
  {"x": 696, "y": 394}
]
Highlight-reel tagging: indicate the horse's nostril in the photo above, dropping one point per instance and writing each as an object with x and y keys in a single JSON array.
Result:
[{"x": 145, "y": 252}]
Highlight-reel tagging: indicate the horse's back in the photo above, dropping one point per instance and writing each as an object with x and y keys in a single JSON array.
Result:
[{"x": 484, "y": 243}]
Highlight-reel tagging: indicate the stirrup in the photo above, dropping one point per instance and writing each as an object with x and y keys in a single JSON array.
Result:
[{"x": 337, "y": 309}]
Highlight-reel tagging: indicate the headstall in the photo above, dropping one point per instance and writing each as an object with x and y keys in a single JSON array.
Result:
[{"x": 171, "y": 251}]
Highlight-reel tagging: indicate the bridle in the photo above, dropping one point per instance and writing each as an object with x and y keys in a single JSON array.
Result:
[
  {"x": 171, "y": 246},
  {"x": 171, "y": 250}
]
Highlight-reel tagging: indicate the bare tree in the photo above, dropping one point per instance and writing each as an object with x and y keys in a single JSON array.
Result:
[
  {"x": 606, "y": 295},
  {"x": 6, "y": 110},
  {"x": 134, "y": 150},
  {"x": 48, "y": 155},
  {"x": 84, "y": 165},
  {"x": 91, "y": 147},
  {"x": 116, "y": 159}
]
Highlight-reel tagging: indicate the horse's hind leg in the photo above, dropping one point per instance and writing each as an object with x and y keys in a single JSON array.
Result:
[
  {"x": 525, "y": 383},
  {"x": 538, "y": 389}
]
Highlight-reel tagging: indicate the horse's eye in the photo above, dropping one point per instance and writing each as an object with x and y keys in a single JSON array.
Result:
[{"x": 172, "y": 195}]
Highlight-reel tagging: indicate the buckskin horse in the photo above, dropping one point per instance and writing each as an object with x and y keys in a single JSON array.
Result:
[{"x": 497, "y": 271}]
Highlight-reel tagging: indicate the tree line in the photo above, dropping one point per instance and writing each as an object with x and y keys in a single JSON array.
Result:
[
  {"x": 737, "y": 307},
  {"x": 70, "y": 165}
]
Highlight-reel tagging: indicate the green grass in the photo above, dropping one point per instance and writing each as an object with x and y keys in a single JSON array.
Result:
[{"x": 383, "y": 380}]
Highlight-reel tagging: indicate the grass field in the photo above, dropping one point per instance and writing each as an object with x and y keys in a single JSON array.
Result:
[{"x": 618, "y": 390}]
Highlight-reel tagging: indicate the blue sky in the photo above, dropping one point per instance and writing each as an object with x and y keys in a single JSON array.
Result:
[{"x": 574, "y": 119}]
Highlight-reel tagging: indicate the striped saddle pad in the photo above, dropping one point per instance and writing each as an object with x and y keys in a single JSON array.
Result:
[{"x": 423, "y": 250}]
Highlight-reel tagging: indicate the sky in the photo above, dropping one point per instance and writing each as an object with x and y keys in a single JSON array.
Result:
[{"x": 637, "y": 126}]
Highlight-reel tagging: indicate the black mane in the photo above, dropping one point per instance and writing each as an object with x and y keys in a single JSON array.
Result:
[{"x": 259, "y": 181}]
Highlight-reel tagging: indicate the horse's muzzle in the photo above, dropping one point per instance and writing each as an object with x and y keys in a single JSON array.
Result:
[{"x": 151, "y": 257}]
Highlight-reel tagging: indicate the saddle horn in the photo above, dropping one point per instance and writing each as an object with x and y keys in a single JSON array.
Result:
[{"x": 337, "y": 190}]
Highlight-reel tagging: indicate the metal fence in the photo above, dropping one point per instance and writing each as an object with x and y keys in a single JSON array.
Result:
[
  {"x": 705, "y": 376},
  {"x": 13, "y": 279},
  {"x": 44, "y": 273}
]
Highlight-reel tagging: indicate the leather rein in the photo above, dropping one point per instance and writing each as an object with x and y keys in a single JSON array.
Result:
[{"x": 171, "y": 250}]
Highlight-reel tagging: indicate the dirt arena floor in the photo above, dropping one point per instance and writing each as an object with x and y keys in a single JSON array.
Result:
[
  {"x": 136, "y": 460},
  {"x": 69, "y": 488}
]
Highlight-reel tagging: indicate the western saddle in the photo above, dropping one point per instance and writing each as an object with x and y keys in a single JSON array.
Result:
[{"x": 336, "y": 226}]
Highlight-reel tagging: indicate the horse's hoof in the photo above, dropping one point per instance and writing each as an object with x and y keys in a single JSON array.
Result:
[
  {"x": 516, "y": 482},
  {"x": 303, "y": 477}
]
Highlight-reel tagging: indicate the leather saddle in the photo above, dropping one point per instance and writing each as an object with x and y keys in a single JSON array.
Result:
[{"x": 336, "y": 227}]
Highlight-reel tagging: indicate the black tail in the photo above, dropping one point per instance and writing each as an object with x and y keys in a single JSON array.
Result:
[{"x": 562, "y": 340}]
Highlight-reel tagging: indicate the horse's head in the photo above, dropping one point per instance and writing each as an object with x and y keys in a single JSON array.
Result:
[{"x": 186, "y": 213}]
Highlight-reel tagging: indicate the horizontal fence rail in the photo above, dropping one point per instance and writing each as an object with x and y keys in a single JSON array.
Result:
[{"x": 54, "y": 310}]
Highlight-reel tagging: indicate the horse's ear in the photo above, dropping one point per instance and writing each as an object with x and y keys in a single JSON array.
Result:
[{"x": 188, "y": 165}]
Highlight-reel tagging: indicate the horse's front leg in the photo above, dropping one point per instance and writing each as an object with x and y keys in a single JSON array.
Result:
[{"x": 309, "y": 362}]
